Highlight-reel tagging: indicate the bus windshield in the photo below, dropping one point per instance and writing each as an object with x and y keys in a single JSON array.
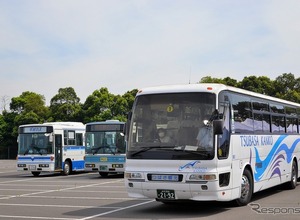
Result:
[
  {"x": 172, "y": 126},
  {"x": 105, "y": 142},
  {"x": 34, "y": 143}
]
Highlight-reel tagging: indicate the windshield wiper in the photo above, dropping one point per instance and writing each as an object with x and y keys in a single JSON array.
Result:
[
  {"x": 26, "y": 152},
  {"x": 96, "y": 149},
  {"x": 207, "y": 154},
  {"x": 144, "y": 149}
]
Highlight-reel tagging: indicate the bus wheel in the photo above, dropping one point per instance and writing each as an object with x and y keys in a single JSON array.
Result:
[
  {"x": 67, "y": 168},
  {"x": 246, "y": 189},
  {"x": 103, "y": 174},
  {"x": 35, "y": 173},
  {"x": 294, "y": 172}
]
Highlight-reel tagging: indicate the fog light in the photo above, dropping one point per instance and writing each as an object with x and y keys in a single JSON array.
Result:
[
  {"x": 205, "y": 177},
  {"x": 204, "y": 187}
]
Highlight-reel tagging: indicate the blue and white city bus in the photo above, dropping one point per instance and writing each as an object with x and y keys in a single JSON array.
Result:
[
  {"x": 51, "y": 147},
  {"x": 105, "y": 147},
  {"x": 224, "y": 143}
]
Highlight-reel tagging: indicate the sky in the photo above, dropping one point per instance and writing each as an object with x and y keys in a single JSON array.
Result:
[{"x": 130, "y": 44}]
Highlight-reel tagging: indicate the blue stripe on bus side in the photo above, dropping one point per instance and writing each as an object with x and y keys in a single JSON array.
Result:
[
  {"x": 33, "y": 158},
  {"x": 274, "y": 157},
  {"x": 77, "y": 165}
]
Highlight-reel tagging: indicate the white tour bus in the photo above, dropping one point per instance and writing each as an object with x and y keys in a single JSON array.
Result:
[
  {"x": 51, "y": 147},
  {"x": 223, "y": 143},
  {"x": 105, "y": 147}
]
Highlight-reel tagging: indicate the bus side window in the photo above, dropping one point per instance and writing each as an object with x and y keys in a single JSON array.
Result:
[
  {"x": 79, "y": 139},
  {"x": 224, "y": 139}
]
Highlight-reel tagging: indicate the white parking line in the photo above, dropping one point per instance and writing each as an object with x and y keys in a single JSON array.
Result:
[
  {"x": 58, "y": 190},
  {"x": 34, "y": 217},
  {"x": 116, "y": 210},
  {"x": 56, "y": 206},
  {"x": 13, "y": 181},
  {"x": 7, "y": 171},
  {"x": 73, "y": 197}
]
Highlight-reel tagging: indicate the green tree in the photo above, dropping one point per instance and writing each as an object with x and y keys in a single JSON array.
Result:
[
  {"x": 29, "y": 102},
  {"x": 65, "y": 106},
  {"x": 118, "y": 108},
  {"x": 287, "y": 87},
  {"x": 209, "y": 79},
  {"x": 29, "y": 107},
  {"x": 8, "y": 133},
  {"x": 2, "y": 129},
  {"x": 230, "y": 82},
  {"x": 226, "y": 81},
  {"x": 261, "y": 84},
  {"x": 102, "y": 105},
  {"x": 123, "y": 104},
  {"x": 97, "y": 106},
  {"x": 129, "y": 96}
]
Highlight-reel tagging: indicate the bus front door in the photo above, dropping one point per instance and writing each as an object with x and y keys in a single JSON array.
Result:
[{"x": 58, "y": 152}]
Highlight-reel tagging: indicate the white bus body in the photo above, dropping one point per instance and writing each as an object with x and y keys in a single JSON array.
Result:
[
  {"x": 51, "y": 147},
  {"x": 255, "y": 144},
  {"x": 105, "y": 147}
]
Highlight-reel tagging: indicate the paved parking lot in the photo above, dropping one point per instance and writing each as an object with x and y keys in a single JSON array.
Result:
[
  {"x": 83, "y": 196},
  {"x": 53, "y": 196}
]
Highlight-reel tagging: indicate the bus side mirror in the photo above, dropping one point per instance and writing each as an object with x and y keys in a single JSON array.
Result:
[
  {"x": 51, "y": 137},
  {"x": 127, "y": 124},
  {"x": 218, "y": 126},
  {"x": 129, "y": 115}
]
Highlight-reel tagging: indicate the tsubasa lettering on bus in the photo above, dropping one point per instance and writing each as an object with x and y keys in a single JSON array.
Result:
[
  {"x": 249, "y": 140},
  {"x": 266, "y": 140},
  {"x": 254, "y": 140}
]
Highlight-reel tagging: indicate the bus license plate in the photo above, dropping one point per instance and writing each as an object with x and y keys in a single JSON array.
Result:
[
  {"x": 103, "y": 168},
  {"x": 32, "y": 167},
  {"x": 165, "y": 194}
]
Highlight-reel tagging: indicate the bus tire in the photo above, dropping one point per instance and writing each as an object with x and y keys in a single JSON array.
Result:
[
  {"x": 67, "y": 168},
  {"x": 246, "y": 188},
  {"x": 35, "y": 173},
  {"x": 294, "y": 176}
]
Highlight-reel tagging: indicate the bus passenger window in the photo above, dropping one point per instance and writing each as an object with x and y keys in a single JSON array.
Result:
[
  {"x": 278, "y": 125},
  {"x": 243, "y": 121}
]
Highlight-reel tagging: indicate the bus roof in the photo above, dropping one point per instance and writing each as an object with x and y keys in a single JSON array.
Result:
[
  {"x": 207, "y": 87},
  {"x": 74, "y": 125},
  {"x": 105, "y": 122}
]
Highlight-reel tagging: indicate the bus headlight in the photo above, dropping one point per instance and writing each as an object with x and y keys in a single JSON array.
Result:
[
  {"x": 202, "y": 177},
  {"x": 88, "y": 165},
  {"x": 135, "y": 175},
  {"x": 21, "y": 165},
  {"x": 44, "y": 165}
]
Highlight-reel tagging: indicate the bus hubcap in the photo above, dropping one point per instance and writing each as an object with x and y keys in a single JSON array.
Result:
[{"x": 245, "y": 187}]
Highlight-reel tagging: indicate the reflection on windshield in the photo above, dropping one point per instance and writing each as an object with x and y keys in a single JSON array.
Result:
[
  {"x": 171, "y": 126},
  {"x": 34, "y": 144},
  {"x": 105, "y": 142}
]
